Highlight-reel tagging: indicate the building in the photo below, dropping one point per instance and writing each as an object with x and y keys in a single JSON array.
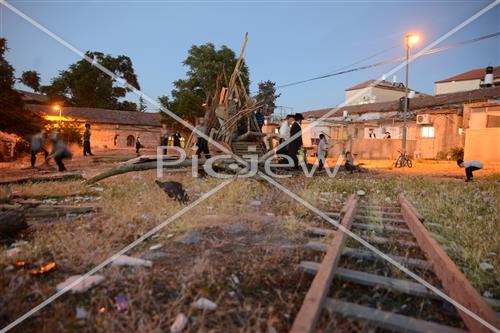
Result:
[
  {"x": 471, "y": 80},
  {"x": 436, "y": 125},
  {"x": 368, "y": 92},
  {"x": 110, "y": 128}
]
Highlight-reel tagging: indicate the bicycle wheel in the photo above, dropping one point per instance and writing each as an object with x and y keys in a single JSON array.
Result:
[
  {"x": 397, "y": 164},
  {"x": 409, "y": 163}
]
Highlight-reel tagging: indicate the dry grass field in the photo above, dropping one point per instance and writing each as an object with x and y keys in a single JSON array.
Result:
[{"x": 239, "y": 248}]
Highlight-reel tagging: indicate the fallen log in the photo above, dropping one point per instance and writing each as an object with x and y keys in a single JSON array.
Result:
[
  {"x": 12, "y": 222},
  {"x": 47, "y": 210},
  {"x": 61, "y": 176},
  {"x": 124, "y": 168},
  {"x": 150, "y": 158}
]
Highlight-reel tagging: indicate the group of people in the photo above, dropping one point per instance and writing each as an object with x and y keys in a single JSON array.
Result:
[
  {"x": 58, "y": 152},
  {"x": 165, "y": 136}
]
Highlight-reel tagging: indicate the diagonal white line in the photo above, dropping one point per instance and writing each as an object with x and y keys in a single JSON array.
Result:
[
  {"x": 116, "y": 255},
  {"x": 119, "y": 79},
  {"x": 378, "y": 252},
  {"x": 397, "y": 68}
]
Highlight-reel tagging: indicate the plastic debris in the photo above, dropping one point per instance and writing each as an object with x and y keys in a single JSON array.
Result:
[
  {"x": 44, "y": 269},
  {"x": 235, "y": 279},
  {"x": 121, "y": 303},
  {"x": 83, "y": 285},
  {"x": 485, "y": 266},
  {"x": 179, "y": 324},
  {"x": 360, "y": 193},
  {"x": 255, "y": 203},
  {"x": 204, "y": 304},
  {"x": 155, "y": 247},
  {"x": 124, "y": 260},
  {"x": 81, "y": 313}
]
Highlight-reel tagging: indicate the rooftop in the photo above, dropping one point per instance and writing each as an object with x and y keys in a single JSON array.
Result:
[
  {"x": 420, "y": 102},
  {"x": 101, "y": 115},
  {"x": 475, "y": 74},
  {"x": 381, "y": 84},
  {"x": 30, "y": 97}
]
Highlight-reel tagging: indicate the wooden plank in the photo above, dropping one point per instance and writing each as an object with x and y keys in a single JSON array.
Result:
[
  {"x": 452, "y": 279},
  {"x": 368, "y": 255},
  {"x": 387, "y": 320},
  {"x": 60, "y": 176},
  {"x": 313, "y": 303},
  {"x": 380, "y": 228},
  {"x": 371, "y": 239},
  {"x": 372, "y": 280},
  {"x": 379, "y": 219}
]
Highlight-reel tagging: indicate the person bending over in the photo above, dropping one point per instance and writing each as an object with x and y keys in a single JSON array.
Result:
[{"x": 470, "y": 167}]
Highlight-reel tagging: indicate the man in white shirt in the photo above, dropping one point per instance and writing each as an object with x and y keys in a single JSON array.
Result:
[
  {"x": 469, "y": 166},
  {"x": 322, "y": 151},
  {"x": 284, "y": 134}
]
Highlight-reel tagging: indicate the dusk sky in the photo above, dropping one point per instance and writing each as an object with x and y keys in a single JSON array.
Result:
[{"x": 288, "y": 41}]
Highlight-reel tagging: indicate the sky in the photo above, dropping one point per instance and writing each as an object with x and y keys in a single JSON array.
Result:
[{"x": 288, "y": 40}]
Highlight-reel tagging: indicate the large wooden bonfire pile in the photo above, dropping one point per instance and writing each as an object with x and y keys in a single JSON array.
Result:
[{"x": 230, "y": 116}]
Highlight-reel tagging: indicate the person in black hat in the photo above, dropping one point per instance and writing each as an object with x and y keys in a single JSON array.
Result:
[{"x": 296, "y": 143}]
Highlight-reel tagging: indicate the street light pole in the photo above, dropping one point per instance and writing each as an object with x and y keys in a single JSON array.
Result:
[
  {"x": 409, "y": 40},
  {"x": 403, "y": 148}
]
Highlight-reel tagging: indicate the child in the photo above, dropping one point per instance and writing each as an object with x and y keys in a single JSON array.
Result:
[
  {"x": 322, "y": 152},
  {"x": 470, "y": 166}
]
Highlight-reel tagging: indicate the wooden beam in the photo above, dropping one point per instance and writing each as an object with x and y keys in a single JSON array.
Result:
[
  {"x": 373, "y": 280},
  {"x": 368, "y": 255},
  {"x": 387, "y": 320},
  {"x": 452, "y": 279},
  {"x": 380, "y": 228},
  {"x": 313, "y": 303},
  {"x": 59, "y": 176}
]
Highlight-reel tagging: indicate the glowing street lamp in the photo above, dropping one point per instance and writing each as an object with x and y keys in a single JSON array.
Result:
[
  {"x": 56, "y": 108},
  {"x": 410, "y": 40}
]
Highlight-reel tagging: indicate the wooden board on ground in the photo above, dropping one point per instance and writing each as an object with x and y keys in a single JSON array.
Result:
[
  {"x": 453, "y": 280},
  {"x": 59, "y": 176}
]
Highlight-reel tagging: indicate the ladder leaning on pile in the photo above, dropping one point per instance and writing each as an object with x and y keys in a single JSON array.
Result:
[{"x": 454, "y": 283}]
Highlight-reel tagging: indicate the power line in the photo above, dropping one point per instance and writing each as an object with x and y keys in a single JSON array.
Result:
[{"x": 386, "y": 62}]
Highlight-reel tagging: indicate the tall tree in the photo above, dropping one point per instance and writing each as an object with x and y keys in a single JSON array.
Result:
[
  {"x": 267, "y": 96},
  {"x": 205, "y": 65},
  {"x": 83, "y": 84},
  {"x": 31, "y": 79},
  {"x": 14, "y": 117},
  {"x": 142, "y": 105}
]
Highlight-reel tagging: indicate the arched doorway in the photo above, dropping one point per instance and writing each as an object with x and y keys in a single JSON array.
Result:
[{"x": 130, "y": 141}]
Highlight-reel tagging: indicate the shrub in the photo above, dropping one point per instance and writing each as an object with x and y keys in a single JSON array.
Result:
[{"x": 457, "y": 153}]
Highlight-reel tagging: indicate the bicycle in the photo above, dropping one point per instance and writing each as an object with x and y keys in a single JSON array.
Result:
[{"x": 403, "y": 160}]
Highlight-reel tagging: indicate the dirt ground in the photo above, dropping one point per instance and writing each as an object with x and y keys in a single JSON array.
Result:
[{"x": 240, "y": 248}]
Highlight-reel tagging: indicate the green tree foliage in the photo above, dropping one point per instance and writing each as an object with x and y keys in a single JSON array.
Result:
[
  {"x": 31, "y": 79},
  {"x": 14, "y": 117},
  {"x": 267, "y": 96},
  {"x": 206, "y": 65},
  {"x": 85, "y": 85}
]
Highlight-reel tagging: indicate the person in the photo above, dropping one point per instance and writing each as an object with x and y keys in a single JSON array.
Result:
[
  {"x": 115, "y": 140},
  {"x": 322, "y": 151},
  {"x": 371, "y": 134},
  {"x": 470, "y": 167},
  {"x": 86, "y": 141},
  {"x": 201, "y": 142},
  {"x": 177, "y": 139},
  {"x": 138, "y": 145},
  {"x": 259, "y": 116},
  {"x": 164, "y": 135},
  {"x": 284, "y": 134},
  {"x": 349, "y": 162},
  {"x": 387, "y": 135},
  {"x": 37, "y": 146},
  {"x": 59, "y": 152},
  {"x": 295, "y": 144}
]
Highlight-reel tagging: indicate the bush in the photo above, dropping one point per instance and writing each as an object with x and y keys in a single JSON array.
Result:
[{"x": 457, "y": 153}]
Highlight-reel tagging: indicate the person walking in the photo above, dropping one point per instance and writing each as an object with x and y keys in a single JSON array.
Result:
[
  {"x": 470, "y": 167},
  {"x": 322, "y": 151},
  {"x": 259, "y": 116},
  {"x": 201, "y": 142},
  {"x": 284, "y": 134},
  {"x": 138, "y": 146},
  {"x": 86, "y": 141},
  {"x": 37, "y": 146},
  {"x": 296, "y": 143},
  {"x": 59, "y": 152},
  {"x": 177, "y": 139},
  {"x": 164, "y": 135}
]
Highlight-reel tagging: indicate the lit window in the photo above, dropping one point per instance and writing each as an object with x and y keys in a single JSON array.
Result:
[
  {"x": 427, "y": 132},
  {"x": 460, "y": 130}
]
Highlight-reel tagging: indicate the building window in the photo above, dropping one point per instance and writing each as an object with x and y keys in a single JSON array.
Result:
[
  {"x": 427, "y": 132},
  {"x": 460, "y": 130},
  {"x": 130, "y": 141}
]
